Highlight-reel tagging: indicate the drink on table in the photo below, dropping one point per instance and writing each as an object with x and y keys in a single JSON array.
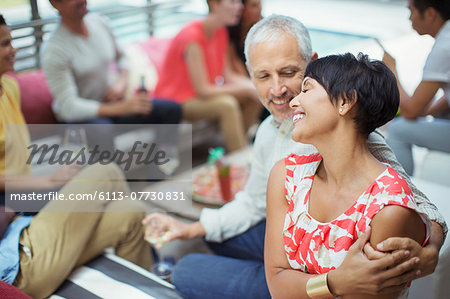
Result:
[{"x": 216, "y": 156}]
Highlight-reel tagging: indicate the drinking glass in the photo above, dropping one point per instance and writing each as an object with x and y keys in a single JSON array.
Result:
[
  {"x": 75, "y": 140},
  {"x": 171, "y": 153},
  {"x": 159, "y": 232}
]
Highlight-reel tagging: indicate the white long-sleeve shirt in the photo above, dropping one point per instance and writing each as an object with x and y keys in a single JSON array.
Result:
[
  {"x": 273, "y": 142},
  {"x": 77, "y": 69}
]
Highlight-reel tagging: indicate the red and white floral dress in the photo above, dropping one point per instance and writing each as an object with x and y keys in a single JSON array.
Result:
[{"x": 314, "y": 247}]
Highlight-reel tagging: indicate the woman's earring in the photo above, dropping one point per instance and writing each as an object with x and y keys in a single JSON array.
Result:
[{"x": 340, "y": 110}]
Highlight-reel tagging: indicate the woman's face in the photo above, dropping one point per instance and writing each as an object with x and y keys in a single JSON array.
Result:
[
  {"x": 252, "y": 11},
  {"x": 7, "y": 51},
  {"x": 314, "y": 114},
  {"x": 229, "y": 11}
]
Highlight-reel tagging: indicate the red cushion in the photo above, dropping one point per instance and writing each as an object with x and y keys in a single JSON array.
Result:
[
  {"x": 156, "y": 49},
  {"x": 9, "y": 291},
  {"x": 36, "y": 99}
]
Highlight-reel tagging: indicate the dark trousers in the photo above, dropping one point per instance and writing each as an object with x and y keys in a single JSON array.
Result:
[{"x": 236, "y": 271}]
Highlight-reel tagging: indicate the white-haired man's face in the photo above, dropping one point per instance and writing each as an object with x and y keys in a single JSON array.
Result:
[{"x": 277, "y": 68}]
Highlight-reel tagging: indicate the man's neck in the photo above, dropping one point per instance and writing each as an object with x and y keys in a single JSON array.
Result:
[{"x": 77, "y": 26}]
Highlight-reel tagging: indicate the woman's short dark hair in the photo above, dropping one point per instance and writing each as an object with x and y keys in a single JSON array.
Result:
[
  {"x": 371, "y": 83},
  {"x": 2, "y": 20},
  {"x": 441, "y": 6}
]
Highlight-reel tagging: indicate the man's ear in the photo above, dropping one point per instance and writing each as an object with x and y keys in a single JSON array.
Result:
[
  {"x": 430, "y": 14},
  {"x": 314, "y": 56}
]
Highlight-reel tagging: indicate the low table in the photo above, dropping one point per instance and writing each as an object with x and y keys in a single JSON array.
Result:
[{"x": 182, "y": 182}]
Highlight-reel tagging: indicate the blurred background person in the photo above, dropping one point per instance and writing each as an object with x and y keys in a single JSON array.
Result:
[
  {"x": 77, "y": 61},
  {"x": 251, "y": 14},
  {"x": 39, "y": 252},
  {"x": 197, "y": 74},
  {"x": 427, "y": 17}
]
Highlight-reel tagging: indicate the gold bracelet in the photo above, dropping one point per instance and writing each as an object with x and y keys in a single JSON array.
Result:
[{"x": 317, "y": 287}]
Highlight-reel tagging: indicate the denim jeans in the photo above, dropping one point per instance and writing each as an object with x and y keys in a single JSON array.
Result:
[
  {"x": 236, "y": 271},
  {"x": 163, "y": 112}
]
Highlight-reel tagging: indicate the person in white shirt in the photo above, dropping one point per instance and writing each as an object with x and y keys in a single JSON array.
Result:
[
  {"x": 427, "y": 17},
  {"x": 76, "y": 61},
  {"x": 277, "y": 50}
]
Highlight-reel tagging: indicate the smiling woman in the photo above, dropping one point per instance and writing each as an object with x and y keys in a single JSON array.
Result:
[{"x": 319, "y": 205}]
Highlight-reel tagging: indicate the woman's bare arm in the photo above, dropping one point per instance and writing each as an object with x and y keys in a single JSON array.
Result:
[
  {"x": 283, "y": 281},
  {"x": 193, "y": 56},
  {"x": 357, "y": 274}
]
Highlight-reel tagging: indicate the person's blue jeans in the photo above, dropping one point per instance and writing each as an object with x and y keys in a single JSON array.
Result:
[
  {"x": 237, "y": 271},
  {"x": 163, "y": 112}
]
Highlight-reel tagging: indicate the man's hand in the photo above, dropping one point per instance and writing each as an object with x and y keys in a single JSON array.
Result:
[
  {"x": 359, "y": 275},
  {"x": 10, "y": 213},
  {"x": 116, "y": 92},
  {"x": 177, "y": 230},
  {"x": 138, "y": 104},
  {"x": 428, "y": 255},
  {"x": 6, "y": 215}
]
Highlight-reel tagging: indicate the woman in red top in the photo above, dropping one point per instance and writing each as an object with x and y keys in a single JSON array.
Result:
[{"x": 197, "y": 74}]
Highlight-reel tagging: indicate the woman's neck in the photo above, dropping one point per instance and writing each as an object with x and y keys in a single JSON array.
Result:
[{"x": 346, "y": 160}]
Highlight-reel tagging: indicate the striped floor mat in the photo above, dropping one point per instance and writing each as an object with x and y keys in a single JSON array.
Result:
[{"x": 110, "y": 276}]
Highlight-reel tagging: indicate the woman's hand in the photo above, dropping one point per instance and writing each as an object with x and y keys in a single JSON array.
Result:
[{"x": 177, "y": 230}]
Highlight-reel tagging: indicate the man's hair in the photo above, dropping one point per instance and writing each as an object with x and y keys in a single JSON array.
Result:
[
  {"x": 272, "y": 27},
  {"x": 2, "y": 20},
  {"x": 441, "y": 6},
  {"x": 370, "y": 83}
]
